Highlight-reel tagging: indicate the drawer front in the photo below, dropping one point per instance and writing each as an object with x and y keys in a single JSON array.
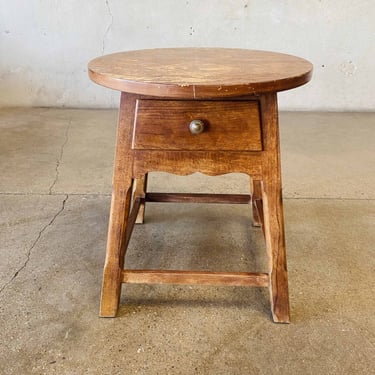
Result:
[{"x": 227, "y": 125}]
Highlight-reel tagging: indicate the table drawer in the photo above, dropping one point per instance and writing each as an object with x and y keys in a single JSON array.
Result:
[{"x": 227, "y": 125}]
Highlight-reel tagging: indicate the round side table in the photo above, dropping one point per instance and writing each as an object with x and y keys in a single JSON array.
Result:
[{"x": 209, "y": 110}]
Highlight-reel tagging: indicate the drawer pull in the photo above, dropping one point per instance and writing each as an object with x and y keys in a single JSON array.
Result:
[{"x": 196, "y": 127}]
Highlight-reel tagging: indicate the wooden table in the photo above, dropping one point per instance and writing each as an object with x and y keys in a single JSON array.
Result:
[{"x": 187, "y": 110}]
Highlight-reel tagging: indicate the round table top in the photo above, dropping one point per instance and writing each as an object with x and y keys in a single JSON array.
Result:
[{"x": 192, "y": 73}]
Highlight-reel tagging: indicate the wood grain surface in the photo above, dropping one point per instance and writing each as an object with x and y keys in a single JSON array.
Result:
[
  {"x": 199, "y": 72},
  {"x": 228, "y": 125},
  {"x": 237, "y": 92},
  {"x": 195, "y": 277}
]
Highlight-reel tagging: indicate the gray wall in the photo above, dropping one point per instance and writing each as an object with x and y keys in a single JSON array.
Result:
[{"x": 45, "y": 44}]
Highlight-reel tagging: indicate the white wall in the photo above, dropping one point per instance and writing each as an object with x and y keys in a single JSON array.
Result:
[{"x": 45, "y": 44}]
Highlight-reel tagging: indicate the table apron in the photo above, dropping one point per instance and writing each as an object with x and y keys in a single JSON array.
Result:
[{"x": 211, "y": 163}]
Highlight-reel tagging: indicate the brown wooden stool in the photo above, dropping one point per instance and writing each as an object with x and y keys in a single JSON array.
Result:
[{"x": 187, "y": 110}]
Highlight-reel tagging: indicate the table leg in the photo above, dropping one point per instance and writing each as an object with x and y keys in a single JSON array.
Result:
[
  {"x": 273, "y": 212},
  {"x": 114, "y": 262},
  {"x": 256, "y": 197},
  {"x": 120, "y": 207},
  {"x": 140, "y": 191}
]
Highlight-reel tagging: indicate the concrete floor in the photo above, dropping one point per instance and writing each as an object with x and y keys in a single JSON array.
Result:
[{"x": 55, "y": 168}]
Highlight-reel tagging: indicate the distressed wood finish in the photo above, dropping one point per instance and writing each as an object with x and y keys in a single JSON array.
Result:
[
  {"x": 228, "y": 125},
  {"x": 199, "y": 73},
  {"x": 273, "y": 211},
  {"x": 234, "y": 92},
  {"x": 120, "y": 206},
  {"x": 195, "y": 277},
  {"x": 211, "y": 163}
]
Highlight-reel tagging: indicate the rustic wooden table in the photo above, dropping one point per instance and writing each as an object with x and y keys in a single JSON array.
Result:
[{"x": 186, "y": 110}]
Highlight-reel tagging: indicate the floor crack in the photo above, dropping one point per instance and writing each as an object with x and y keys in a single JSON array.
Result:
[
  {"x": 109, "y": 25},
  {"x": 59, "y": 159},
  {"x": 29, "y": 251}
]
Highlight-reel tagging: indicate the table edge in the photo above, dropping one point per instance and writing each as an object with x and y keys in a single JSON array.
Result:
[{"x": 199, "y": 91}]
